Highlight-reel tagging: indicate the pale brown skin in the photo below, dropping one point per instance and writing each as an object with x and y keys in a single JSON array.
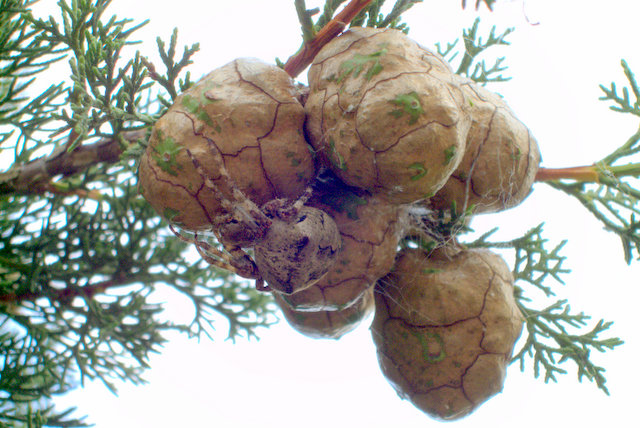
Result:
[
  {"x": 324, "y": 324},
  {"x": 445, "y": 327},
  {"x": 500, "y": 161},
  {"x": 385, "y": 114}
]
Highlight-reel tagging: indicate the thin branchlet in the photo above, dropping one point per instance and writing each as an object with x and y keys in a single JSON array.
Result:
[
  {"x": 473, "y": 48},
  {"x": 81, "y": 253},
  {"x": 608, "y": 189},
  {"x": 554, "y": 335}
]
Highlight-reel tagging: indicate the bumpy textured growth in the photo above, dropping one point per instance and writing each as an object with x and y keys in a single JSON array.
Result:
[
  {"x": 296, "y": 253},
  {"x": 386, "y": 114},
  {"x": 370, "y": 230},
  {"x": 445, "y": 327},
  {"x": 328, "y": 324},
  {"x": 244, "y": 125},
  {"x": 500, "y": 161}
]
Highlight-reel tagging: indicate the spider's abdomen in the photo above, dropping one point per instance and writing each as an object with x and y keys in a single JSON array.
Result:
[{"x": 298, "y": 251}]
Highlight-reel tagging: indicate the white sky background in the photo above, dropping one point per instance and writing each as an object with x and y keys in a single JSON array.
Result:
[{"x": 286, "y": 380}]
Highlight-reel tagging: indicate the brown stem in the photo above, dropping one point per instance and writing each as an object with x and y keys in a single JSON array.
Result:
[
  {"x": 587, "y": 173},
  {"x": 35, "y": 177},
  {"x": 301, "y": 60},
  {"x": 65, "y": 294}
]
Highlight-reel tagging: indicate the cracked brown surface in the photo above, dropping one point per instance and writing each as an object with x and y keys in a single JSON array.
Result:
[
  {"x": 247, "y": 122},
  {"x": 500, "y": 162},
  {"x": 350, "y": 119},
  {"x": 445, "y": 327}
]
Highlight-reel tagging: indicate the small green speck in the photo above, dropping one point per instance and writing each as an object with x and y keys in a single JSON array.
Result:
[
  {"x": 409, "y": 104},
  {"x": 344, "y": 202},
  {"x": 517, "y": 153},
  {"x": 431, "y": 270},
  {"x": 421, "y": 171},
  {"x": 426, "y": 355},
  {"x": 339, "y": 163},
  {"x": 170, "y": 214},
  {"x": 165, "y": 153},
  {"x": 449, "y": 154},
  {"x": 294, "y": 161},
  {"x": 190, "y": 103},
  {"x": 355, "y": 66},
  {"x": 194, "y": 106}
]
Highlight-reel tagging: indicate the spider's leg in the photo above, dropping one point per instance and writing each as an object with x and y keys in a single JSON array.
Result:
[
  {"x": 260, "y": 285},
  {"x": 239, "y": 263},
  {"x": 241, "y": 266},
  {"x": 288, "y": 209},
  {"x": 239, "y": 206},
  {"x": 303, "y": 199},
  {"x": 209, "y": 183}
]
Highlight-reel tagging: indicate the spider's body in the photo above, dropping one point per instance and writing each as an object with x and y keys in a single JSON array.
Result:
[
  {"x": 298, "y": 249},
  {"x": 230, "y": 159},
  {"x": 294, "y": 245}
]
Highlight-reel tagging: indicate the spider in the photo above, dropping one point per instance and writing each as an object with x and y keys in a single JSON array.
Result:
[{"x": 293, "y": 244}]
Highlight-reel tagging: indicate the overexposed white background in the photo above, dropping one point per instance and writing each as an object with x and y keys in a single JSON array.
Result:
[{"x": 286, "y": 380}]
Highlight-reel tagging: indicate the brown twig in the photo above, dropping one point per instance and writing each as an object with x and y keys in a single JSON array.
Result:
[
  {"x": 588, "y": 173},
  {"x": 66, "y": 294},
  {"x": 301, "y": 60},
  {"x": 35, "y": 177}
]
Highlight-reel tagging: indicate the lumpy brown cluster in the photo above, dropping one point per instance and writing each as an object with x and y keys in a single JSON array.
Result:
[{"x": 316, "y": 194}]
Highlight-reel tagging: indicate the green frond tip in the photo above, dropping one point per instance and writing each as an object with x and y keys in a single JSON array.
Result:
[
  {"x": 622, "y": 101},
  {"x": 173, "y": 68},
  {"x": 556, "y": 336},
  {"x": 488, "y": 3},
  {"x": 306, "y": 23},
  {"x": 371, "y": 16},
  {"x": 534, "y": 263},
  {"x": 615, "y": 199},
  {"x": 474, "y": 46}
]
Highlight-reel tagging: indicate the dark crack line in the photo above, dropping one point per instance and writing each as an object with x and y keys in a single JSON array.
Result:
[
  {"x": 357, "y": 41},
  {"x": 180, "y": 186}
]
